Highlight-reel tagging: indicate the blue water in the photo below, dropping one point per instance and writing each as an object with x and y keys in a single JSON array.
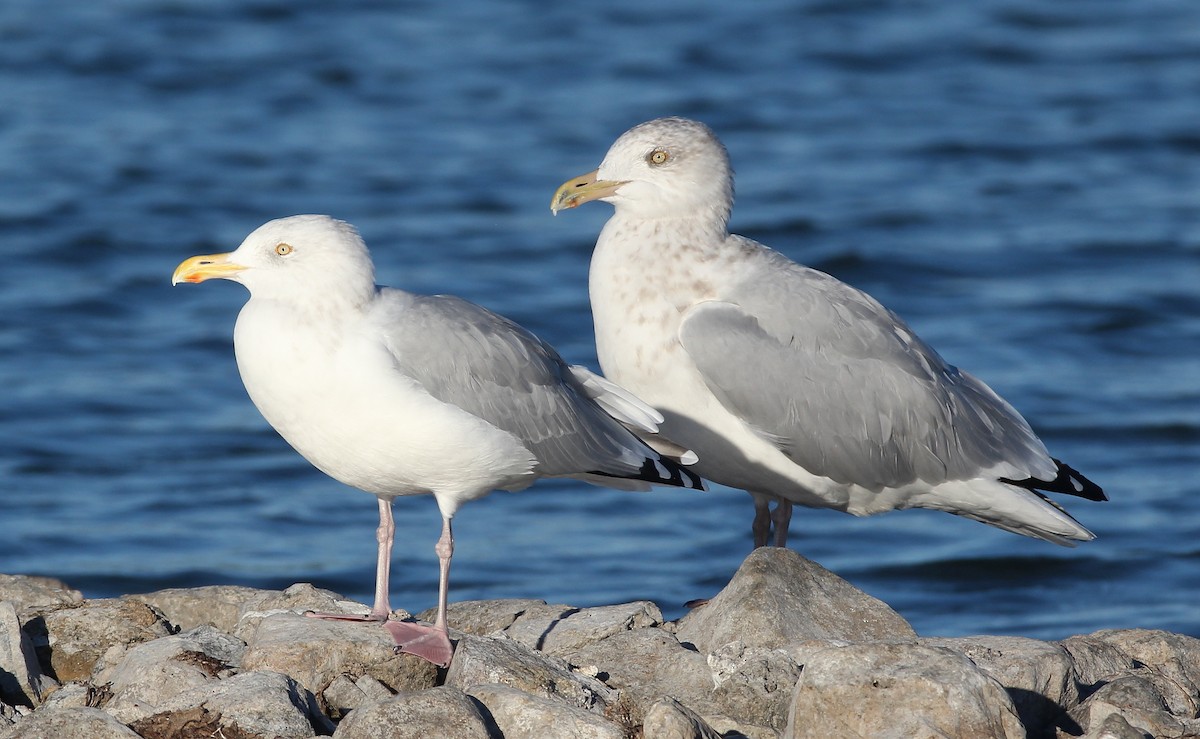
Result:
[{"x": 1019, "y": 179}]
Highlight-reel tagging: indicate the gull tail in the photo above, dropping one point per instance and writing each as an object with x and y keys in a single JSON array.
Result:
[
  {"x": 664, "y": 460},
  {"x": 1014, "y": 507}
]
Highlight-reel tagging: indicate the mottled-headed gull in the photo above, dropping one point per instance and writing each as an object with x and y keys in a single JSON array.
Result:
[
  {"x": 785, "y": 381},
  {"x": 402, "y": 394}
]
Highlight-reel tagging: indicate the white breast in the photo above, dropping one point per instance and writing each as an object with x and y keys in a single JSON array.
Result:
[
  {"x": 337, "y": 398},
  {"x": 640, "y": 288}
]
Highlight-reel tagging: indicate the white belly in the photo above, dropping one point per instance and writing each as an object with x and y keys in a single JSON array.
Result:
[
  {"x": 637, "y": 311},
  {"x": 350, "y": 414}
]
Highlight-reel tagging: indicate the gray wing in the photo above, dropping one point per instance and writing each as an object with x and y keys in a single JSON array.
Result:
[
  {"x": 846, "y": 390},
  {"x": 467, "y": 356}
]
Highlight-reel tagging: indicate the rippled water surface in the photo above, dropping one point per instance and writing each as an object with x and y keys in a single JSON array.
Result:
[{"x": 1018, "y": 179}]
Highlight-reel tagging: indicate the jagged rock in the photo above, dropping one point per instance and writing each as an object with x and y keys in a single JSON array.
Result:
[
  {"x": 31, "y": 594},
  {"x": 443, "y": 712},
  {"x": 21, "y": 679},
  {"x": 253, "y": 705},
  {"x": 72, "y": 640},
  {"x": 727, "y": 726},
  {"x": 801, "y": 651},
  {"x": 667, "y": 718},
  {"x": 316, "y": 651},
  {"x": 483, "y": 660},
  {"x": 605, "y": 672},
  {"x": 575, "y": 628},
  {"x": 155, "y": 672},
  {"x": 218, "y": 605},
  {"x": 552, "y": 629},
  {"x": 190, "y": 722},
  {"x": 519, "y": 715},
  {"x": 777, "y": 598},
  {"x": 345, "y": 694},
  {"x": 1171, "y": 662},
  {"x": 1114, "y": 726},
  {"x": 753, "y": 683},
  {"x": 485, "y": 617},
  {"x": 647, "y": 664},
  {"x": 898, "y": 690},
  {"x": 1135, "y": 699},
  {"x": 1039, "y": 677},
  {"x": 297, "y": 599},
  {"x": 68, "y": 722},
  {"x": 76, "y": 695}
]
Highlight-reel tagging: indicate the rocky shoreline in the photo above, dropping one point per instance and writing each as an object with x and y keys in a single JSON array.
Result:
[{"x": 787, "y": 649}]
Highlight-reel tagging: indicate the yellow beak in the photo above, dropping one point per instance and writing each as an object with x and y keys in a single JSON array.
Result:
[
  {"x": 205, "y": 267},
  {"x": 576, "y": 192}
]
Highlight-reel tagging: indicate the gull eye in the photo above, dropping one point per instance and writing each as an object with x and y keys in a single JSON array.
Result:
[
  {"x": 283, "y": 249},
  {"x": 658, "y": 156}
]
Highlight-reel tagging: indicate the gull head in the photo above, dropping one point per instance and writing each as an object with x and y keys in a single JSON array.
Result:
[
  {"x": 665, "y": 168},
  {"x": 300, "y": 258}
]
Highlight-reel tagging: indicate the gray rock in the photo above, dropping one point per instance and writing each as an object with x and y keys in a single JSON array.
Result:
[
  {"x": 345, "y": 694},
  {"x": 753, "y": 684},
  {"x": 898, "y": 690},
  {"x": 519, "y": 715},
  {"x": 1116, "y": 727},
  {"x": 485, "y": 617},
  {"x": 21, "y": 679},
  {"x": 68, "y": 722},
  {"x": 667, "y": 718},
  {"x": 483, "y": 660},
  {"x": 574, "y": 628},
  {"x": 1097, "y": 660},
  {"x": 297, "y": 599},
  {"x": 801, "y": 651},
  {"x": 153, "y": 673},
  {"x": 443, "y": 712},
  {"x": 777, "y": 598},
  {"x": 1039, "y": 677},
  {"x": 258, "y": 705},
  {"x": 218, "y": 605},
  {"x": 648, "y": 664},
  {"x": 552, "y": 629},
  {"x": 316, "y": 651},
  {"x": 72, "y": 640},
  {"x": 76, "y": 695},
  {"x": 35, "y": 595},
  {"x": 731, "y": 728},
  {"x": 1136, "y": 700},
  {"x": 1171, "y": 662},
  {"x": 604, "y": 672}
]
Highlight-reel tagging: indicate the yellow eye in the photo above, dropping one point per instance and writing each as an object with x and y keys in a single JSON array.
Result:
[
  {"x": 283, "y": 249},
  {"x": 658, "y": 156}
]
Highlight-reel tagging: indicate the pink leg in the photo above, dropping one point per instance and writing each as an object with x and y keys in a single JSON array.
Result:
[
  {"x": 383, "y": 561},
  {"x": 383, "y": 567},
  {"x": 430, "y": 643},
  {"x": 761, "y": 528},
  {"x": 782, "y": 518}
]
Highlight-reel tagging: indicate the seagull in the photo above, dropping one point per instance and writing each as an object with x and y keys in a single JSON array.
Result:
[
  {"x": 788, "y": 383},
  {"x": 395, "y": 393}
]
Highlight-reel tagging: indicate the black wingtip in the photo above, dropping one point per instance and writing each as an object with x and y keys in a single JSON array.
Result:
[
  {"x": 1069, "y": 482},
  {"x": 661, "y": 471},
  {"x": 666, "y": 472}
]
